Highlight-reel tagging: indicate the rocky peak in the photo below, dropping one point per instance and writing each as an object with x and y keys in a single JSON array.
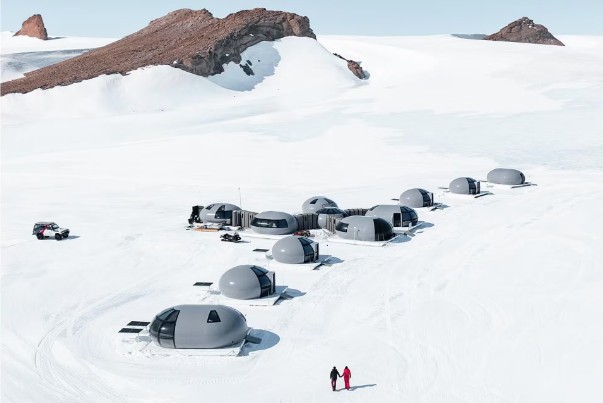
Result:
[
  {"x": 524, "y": 30},
  {"x": 33, "y": 26},
  {"x": 191, "y": 40},
  {"x": 179, "y": 16}
]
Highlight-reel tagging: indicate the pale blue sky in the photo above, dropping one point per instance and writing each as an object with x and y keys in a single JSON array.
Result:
[{"x": 117, "y": 18}]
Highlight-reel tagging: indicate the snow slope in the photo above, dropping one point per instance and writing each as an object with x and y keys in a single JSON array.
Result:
[{"x": 497, "y": 299}]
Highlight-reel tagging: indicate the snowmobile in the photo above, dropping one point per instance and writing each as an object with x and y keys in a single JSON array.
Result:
[
  {"x": 305, "y": 233},
  {"x": 231, "y": 238}
]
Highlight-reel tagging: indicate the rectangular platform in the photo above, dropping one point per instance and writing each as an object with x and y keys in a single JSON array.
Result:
[
  {"x": 138, "y": 323},
  {"x": 130, "y": 330},
  {"x": 202, "y": 284},
  {"x": 251, "y": 234},
  {"x": 336, "y": 239},
  {"x": 501, "y": 186},
  {"x": 152, "y": 349},
  {"x": 217, "y": 298},
  {"x": 408, "y": 230},
  {"x": 322, "y": 260},
  {"x": 208, "y": 229}
]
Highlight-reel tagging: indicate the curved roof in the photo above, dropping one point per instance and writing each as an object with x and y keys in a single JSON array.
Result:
[
  {"x": 324, "y": 213},
  {"x": 463, "y": 185},
  {"x": 274, "y": 223},
  {"x": 208, "y": 213},
  {"x": 242, "y": 282},
  {"x": 506, "y": 176},
  {"x": 199, "y": 326},
  {"x": 364, "y": 228},
  {"x": 274, "y": 215},
  {"x": 292, "y": 249},
  {"x": 386, "y": 211},
  {"x": 416, "y": 198},
  {"x": 316, "y": 203}
]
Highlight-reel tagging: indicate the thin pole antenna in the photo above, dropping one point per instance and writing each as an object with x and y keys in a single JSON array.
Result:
[{"x": 240, "y": 201}]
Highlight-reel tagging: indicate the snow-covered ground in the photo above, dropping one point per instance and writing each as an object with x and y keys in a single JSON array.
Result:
[
  {"x": 496, "y": 299},
  {"x": 23, "y": 53}
]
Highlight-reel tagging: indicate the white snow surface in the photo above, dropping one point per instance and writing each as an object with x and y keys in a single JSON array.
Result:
[{"x": 496, "y": 299}]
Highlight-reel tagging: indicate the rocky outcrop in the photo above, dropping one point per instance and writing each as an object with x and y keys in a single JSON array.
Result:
[
  {"x": 354, "y": 67},
  {"x": 524, "y": 30},
  {"x": 33, "y": 26},
  {"x": 192, "y": 40}
]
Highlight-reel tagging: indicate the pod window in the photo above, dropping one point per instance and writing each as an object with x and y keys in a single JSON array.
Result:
[{"x": 213, "y": 317}]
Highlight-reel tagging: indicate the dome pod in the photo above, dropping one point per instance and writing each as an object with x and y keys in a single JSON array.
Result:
[
  {"x": 506, "y": 176},
  {"x": 198, "y": 326}
]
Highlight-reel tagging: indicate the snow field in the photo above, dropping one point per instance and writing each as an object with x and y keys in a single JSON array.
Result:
[{"x": 496, "y": 300}]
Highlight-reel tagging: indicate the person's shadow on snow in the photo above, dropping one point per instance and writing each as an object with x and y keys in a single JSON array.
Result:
[{"x": 369, "y": 385}]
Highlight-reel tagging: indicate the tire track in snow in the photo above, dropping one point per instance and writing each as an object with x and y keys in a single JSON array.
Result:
[
  {"x": 76, "y": 386},
  {"x": 82, "y": 384}
]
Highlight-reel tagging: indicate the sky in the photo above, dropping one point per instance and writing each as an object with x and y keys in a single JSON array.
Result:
[{"x": 117, "y": 18}]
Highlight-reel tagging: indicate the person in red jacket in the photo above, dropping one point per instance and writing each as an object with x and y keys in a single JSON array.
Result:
[{"x": 347, "y": 374}]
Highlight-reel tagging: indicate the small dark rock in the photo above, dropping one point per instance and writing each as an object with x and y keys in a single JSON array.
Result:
[
  {"x": 247, "y": 69},
  {"x": 354, "y": 67}
]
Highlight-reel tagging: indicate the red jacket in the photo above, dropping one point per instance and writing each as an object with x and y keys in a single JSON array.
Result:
[{"x": 347, "y": 373}]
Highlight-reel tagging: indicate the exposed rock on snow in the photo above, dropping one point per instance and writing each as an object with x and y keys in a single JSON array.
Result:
[
  {"x": 33, "y": 26},
  {"x": 198, "y": 42},
  {"x": 524, "y": 30},
  {"x": 354, "y": 67}
]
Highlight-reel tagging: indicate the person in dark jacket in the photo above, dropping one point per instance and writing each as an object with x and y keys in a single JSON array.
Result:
[
  {"x": 347, "y": 374},
  {"x": 334, "y": 375}
]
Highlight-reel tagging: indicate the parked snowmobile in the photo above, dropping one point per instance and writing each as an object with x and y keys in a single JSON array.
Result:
[{"x": 231, "y": 238}]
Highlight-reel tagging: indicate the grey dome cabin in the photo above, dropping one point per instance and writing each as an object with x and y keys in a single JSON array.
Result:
[
  {"x": 295, "y": 250},
  {"x": 274, "y": 223},
  {"x": 220, "y": 213},
  {"x": 464, "y": 186},
  {"x": 198, "y": 326},
  {"x": 325, "y": 213},
  {"x": 416, "y": 198},
  {"x": 313, "y": 204},
  {"x": 361, "y": 228},
  {"x": 506, "y": 176},
  {"x": 395, "y": 214},
  {"x": 247, "y": 282}
]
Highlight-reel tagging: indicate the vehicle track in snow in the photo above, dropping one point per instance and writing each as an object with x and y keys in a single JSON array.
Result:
[{"x": 80, "y": 382}]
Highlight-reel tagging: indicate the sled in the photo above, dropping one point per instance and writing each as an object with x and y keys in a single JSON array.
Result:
[{"x": 206, "y": 229}]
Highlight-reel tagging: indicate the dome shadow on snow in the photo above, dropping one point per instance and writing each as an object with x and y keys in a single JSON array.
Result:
[{"x": 269, "y": 340}]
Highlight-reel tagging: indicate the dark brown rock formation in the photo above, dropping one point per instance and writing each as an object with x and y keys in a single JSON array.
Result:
[
  {"x": 33, "y": 26},
  {"x": 354, "y": 67},
  {"x": 191, "y": 40},
  {"x": 524, "y": 30}
]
